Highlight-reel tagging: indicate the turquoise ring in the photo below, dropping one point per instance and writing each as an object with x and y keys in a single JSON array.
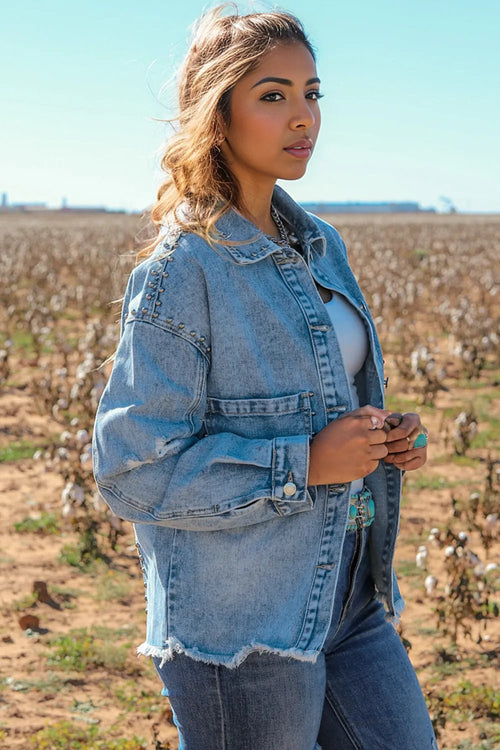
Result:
[{"x": 420, "y": 440}]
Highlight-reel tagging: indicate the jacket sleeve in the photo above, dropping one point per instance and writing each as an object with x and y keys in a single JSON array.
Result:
[{"x": 154, "y": 462}]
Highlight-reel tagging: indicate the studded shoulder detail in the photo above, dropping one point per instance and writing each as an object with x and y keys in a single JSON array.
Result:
[{"x": 168, "y": 287}]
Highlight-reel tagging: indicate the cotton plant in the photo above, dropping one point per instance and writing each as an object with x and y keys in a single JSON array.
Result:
[
  {"x": 465, "y": 429},
  {"x": 463, "y": 597},
  {"x": 468, "y": 601}
]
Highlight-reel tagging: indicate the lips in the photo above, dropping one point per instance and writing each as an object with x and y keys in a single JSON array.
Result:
[{"x": 302, "y": 148}]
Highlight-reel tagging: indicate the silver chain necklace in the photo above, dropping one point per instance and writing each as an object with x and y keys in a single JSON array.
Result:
[{"x": 283, "y": 238}]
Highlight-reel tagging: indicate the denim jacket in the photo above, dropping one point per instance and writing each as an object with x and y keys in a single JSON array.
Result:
[{"x": 227, "y": 366}]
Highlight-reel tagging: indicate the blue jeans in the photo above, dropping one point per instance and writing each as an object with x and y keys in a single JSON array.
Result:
[{"x": 361, "y": 694}]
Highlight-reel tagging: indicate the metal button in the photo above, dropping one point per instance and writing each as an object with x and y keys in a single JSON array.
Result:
[{"x": 290, "y": 488}]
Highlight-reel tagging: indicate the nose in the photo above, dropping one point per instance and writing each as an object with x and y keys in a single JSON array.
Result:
[{"x": 303, "y": 117}]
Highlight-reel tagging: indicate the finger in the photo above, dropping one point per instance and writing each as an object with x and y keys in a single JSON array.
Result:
[
  {"x": 398, "y": 446},
  {"x": 393, "y": 420},
  {"x": 410, "y": 423},
  {"x": 377, "y": 437},
  {"x": 369, "y": 411},
  {"x": 414, "y": 463},
  {"x": 408, "y": 454},
  {"x": 417, "y": 438},
  {"x": 378, "y": 451},
  {"x": 403, "y": 460},
  {"x": 368, "y": 421}
]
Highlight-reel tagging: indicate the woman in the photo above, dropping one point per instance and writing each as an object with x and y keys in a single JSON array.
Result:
[{"x": 265, "y": 498}]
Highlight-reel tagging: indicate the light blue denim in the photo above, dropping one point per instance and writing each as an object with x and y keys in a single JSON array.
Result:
[
  {"x": 360, "y": 694},
  {"x": 227, "y": 366}
]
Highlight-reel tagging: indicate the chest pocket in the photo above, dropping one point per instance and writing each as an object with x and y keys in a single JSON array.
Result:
[{"x": 279, "y": 416}]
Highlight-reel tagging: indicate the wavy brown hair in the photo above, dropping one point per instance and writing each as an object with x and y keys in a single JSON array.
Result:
[{"x": 224, "y": 48}]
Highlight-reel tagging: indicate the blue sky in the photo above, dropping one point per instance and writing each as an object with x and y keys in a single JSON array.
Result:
[{"x": 411, "y": 108}]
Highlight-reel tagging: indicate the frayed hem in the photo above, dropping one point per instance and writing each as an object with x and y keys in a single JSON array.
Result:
[{"x": 173, "y": 647}]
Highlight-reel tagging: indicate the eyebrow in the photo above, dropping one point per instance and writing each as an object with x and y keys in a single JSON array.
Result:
[{"x": 283, "y": 81}]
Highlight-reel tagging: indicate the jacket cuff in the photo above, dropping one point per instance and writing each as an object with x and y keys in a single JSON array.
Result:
[{"x": 290, "y": 470}]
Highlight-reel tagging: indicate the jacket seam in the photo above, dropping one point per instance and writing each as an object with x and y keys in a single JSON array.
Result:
[
  {"x": 170, "y": 580},
  {"x": 313, "y": 581},
  {"x": 287, "y": 413},
  {"x": 166, "y": 327},
  {"x": 207, "y": 512},
  {"x": 200, "y": 390},
  {"x": 311, "y": 337}
]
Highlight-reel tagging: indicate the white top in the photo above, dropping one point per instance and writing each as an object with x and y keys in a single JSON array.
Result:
[{"x": 353, "y": 342}]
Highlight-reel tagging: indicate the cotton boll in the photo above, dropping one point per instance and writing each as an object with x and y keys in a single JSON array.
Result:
[
  {"x": 430, "y": 584},
  {"x": 78, "y": 494},
  {"x": 82, "y": 437},
  {"x": 421, "y": 556},
  {"x": 72, "y": 492},
  {"x": 66, "y": 493},
  {"x": 68, "y": 510}
]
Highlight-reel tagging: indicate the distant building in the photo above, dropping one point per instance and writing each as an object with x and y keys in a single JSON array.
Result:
[
  {"x": 318, "y": 207},
  {"x": 6, "y": 207},
  {"x": 82, "y": 209},
  {"x": 394, "y": 207}
]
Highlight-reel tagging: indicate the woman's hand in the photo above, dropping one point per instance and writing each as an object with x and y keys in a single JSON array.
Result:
[
  {"x": 348, "y": 448},
  {"x": 400, "y": 443}
]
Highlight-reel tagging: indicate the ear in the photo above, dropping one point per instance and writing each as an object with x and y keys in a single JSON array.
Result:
[{"x": 220, "y": 130}]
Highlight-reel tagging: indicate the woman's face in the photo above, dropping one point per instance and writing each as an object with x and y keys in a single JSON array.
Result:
[{"x": 275, "y": 119}]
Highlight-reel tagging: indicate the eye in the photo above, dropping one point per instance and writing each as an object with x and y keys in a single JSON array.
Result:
[
  {"x": 273, "y": 96},
  {"x": 314, "y": 95}
]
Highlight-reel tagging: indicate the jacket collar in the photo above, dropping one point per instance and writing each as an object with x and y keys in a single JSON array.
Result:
[{"x": 252, "y": 245}]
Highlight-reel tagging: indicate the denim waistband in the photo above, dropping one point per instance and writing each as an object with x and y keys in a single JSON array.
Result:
[{"x": 361, "y": 510}]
